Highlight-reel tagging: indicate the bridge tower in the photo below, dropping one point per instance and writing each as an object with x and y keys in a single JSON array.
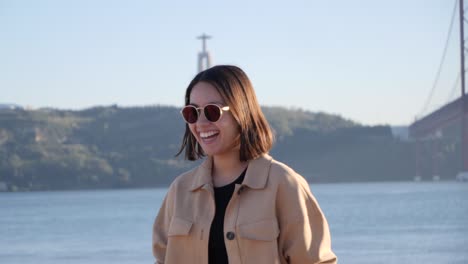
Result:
[
  {"x": 204, "y": 58},
  {"x": 425, "y": 130},
  {"x": 464, "y": 108}
]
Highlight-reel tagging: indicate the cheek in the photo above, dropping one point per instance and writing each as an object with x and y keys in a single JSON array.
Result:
[
  {"x": 231, "y": 128},
  {"x": 234, "y": 126},
  {"x": 229, "y": 121}
]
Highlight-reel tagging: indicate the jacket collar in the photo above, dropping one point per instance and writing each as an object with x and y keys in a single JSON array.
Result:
[
  {"x": 202, "y": 175},
  {"x": 256, "y": 175}
]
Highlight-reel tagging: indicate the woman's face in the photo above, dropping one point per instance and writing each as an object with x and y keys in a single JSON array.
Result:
[{"x": 216, "y": 138}]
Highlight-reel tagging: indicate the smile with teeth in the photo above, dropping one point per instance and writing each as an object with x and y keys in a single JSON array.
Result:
[{"x": 208, "y": 134}]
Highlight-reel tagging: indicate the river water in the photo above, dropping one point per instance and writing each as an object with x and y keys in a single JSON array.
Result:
[{"x": 402, "y": 222}]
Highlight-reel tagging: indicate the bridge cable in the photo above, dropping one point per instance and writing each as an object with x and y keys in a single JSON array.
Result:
[
  {"x": 428, "y": 100},
  {"x": 454, "y": 89}
]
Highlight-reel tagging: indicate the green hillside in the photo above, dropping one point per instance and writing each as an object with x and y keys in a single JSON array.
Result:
[{"x": 114, "y": 147}]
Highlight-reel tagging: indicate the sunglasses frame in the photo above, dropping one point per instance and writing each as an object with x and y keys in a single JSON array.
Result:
[{"x": 200, "y": 109}]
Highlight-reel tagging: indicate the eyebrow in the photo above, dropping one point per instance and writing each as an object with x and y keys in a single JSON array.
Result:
[{"x": 217, "y": 103}]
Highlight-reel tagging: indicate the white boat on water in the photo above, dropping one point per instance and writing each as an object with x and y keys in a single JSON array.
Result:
[{"x": 462, "y": 176}]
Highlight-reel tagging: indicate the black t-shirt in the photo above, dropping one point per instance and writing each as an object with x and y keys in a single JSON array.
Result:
[{"x": 216, "y": 248}]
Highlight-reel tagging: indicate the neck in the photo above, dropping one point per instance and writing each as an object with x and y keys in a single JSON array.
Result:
[{"x": 226, "y": 168}]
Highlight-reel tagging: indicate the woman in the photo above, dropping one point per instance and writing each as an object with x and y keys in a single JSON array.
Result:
[{"x": 240, "y": 205}]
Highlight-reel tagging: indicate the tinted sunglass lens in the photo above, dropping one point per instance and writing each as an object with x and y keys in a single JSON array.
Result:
[
  {"x": 212, "y": 113},
  {"x": 190, "y": 114}
]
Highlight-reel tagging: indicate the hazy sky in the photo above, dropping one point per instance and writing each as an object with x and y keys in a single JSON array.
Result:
[{"x": 371, "y": 61}]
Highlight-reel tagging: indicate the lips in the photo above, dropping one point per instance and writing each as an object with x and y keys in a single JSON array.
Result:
[
  {"x": 208, "y": 134},
  {"x": 208, "y": 137}
]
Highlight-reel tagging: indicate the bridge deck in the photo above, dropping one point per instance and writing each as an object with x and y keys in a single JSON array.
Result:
[{"x": 442, "y": 117}]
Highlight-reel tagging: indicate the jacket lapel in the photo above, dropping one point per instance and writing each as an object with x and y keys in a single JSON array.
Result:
[
  {"x": 202, "y": 175},
  {"x": 257, "y": 173},
  {"x": 256, "y": 176}
]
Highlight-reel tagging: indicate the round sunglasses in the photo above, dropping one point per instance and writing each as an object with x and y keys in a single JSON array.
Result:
[{"x": 213, "y": 112}]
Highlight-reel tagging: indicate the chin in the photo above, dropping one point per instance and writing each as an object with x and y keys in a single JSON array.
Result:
[{"x": 211, "y": 153}]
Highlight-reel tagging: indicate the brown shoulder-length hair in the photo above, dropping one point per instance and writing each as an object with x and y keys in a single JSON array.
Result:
[{"x": 256, "y": 137}]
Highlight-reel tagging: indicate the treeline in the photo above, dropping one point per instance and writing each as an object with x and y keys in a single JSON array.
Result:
[{"x": 114, "y": 147}]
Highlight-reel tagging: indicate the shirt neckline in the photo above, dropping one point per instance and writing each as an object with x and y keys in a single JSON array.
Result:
[{"x": 238, "y": 180}]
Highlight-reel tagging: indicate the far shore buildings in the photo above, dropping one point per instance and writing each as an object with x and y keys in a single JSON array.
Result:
[{"x": 10, "y": 106}]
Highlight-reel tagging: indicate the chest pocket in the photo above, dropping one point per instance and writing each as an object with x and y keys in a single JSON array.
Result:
[
  {"x": 180, "y": 237},
  {"x": 266, "y": 230},
  {"x": 179, "y": 227}
]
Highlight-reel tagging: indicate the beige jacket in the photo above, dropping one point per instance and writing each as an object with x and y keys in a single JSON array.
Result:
[{"x": 272, "y": 218}]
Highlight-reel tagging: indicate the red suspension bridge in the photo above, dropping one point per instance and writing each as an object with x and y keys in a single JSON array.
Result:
[{"x": 454, "y": 114}]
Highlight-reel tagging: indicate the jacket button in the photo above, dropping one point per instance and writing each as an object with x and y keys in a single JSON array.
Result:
[{"x": 230, "y": 235}]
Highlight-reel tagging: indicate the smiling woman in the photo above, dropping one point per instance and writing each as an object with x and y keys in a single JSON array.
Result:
[
  {"x": 240, "y": 205},
  {"x": 217, "y": 136}
]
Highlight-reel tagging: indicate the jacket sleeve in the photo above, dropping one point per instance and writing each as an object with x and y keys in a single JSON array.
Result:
[
  {"x": 160, "y": 230},
  {"x": 304, "y": 232}
]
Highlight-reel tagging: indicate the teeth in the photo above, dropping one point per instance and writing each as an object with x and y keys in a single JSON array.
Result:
[{"x": 207, "y": 134}]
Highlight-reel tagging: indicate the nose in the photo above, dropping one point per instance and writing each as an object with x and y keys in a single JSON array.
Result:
[{"x": 202, "y": 117}]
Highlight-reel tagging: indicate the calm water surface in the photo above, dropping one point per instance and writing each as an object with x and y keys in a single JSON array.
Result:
[{"x": 401, "y": 222}]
